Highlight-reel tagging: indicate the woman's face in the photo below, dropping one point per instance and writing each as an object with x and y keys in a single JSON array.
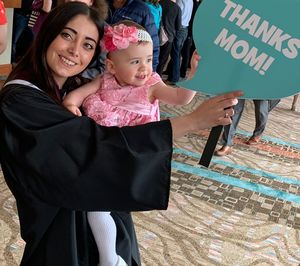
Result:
[
  {"x": 88, "y": 2},
  {"x": 73, "y": 49}
]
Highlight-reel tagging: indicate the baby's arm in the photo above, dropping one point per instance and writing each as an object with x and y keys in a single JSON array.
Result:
[
  {"x": 75, "y": 98},
  {"x": 194, "y": 64},
  {"x": 175, "y": 95}
]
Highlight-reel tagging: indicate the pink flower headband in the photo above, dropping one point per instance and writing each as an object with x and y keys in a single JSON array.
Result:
[{"x": 120, "y": 36}]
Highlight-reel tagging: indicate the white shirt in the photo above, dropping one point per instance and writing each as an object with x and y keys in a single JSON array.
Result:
[{"x": 186, "y": 7}]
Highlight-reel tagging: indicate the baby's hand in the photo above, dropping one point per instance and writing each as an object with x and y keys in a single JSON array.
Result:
[
  {"x": 74, "y": 109},
  {"x": 194, "y": 63}
]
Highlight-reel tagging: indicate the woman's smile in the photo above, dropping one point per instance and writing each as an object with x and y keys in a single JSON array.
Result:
[{"x": 67, "y": 61}]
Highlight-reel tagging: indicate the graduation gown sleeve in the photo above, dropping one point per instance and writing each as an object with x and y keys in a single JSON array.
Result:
[{"x": 56, "y": 164}]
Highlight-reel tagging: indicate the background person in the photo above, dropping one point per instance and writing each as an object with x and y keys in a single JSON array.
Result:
[
  {"x": 21, "y": 31},
  {"x": 173, "y": 68},
  {"x": 261, "y": 109},
  {"x": 189, "y": 45},
  {"x": 171, "y": 20},
  {"x": 156, "y": 11},
  {"x": 40, "y": 10}
]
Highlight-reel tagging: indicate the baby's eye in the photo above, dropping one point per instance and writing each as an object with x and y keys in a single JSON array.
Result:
[
  {"x": 134, "y": 62},
  {"x": 149, "y": 60}
]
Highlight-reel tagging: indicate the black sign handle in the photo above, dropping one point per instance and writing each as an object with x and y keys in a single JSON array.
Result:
[{"x": 210, "y": 146}]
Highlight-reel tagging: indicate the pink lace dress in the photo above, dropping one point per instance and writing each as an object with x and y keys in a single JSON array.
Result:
[{"x": 113, "y": 105}]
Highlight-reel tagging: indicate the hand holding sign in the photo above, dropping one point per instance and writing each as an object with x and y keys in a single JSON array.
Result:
[{"x": 248, "y": 45}]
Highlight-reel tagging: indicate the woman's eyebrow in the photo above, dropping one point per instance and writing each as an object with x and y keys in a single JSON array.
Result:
[{"x": 75, "y": 32}]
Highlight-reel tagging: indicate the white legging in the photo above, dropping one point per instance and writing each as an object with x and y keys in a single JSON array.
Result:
[{"x": 105, "y": 233}]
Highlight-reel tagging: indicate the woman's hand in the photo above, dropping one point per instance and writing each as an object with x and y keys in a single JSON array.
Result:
[{"x": 212, "y": 112}]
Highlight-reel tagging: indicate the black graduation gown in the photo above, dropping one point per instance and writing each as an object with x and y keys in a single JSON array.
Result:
[{"x": 58, "y": 166}]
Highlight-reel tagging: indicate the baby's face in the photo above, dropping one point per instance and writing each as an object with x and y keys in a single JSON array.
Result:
[{"x": 133, "y": 66}]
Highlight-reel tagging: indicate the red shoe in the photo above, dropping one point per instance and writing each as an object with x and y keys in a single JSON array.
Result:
[
  {"x": 253, "y": 140},
  {"x": 225, "y": 150}
]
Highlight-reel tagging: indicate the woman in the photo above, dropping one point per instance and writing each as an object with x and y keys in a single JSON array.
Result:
[{"x": 58, "y": 165}]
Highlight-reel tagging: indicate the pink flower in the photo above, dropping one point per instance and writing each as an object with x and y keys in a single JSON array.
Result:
[
  {"x": 119, "y": 37},
  {"x": 110, "y": 46}
]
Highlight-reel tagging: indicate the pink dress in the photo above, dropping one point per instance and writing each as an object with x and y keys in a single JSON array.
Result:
[{"x": 113, "y": 105}]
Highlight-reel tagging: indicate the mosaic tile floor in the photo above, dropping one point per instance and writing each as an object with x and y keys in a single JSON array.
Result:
[{"x": 243, "y": 210}]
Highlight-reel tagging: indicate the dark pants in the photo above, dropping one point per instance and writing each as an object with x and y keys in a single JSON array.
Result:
[
  {"x": 186, "y": 53},
  {"x": 165, "y": 51},
  {"x": 19, "y": 24},
  {"x": 22, "y": 36},
  {"x": 273, "y": 103},
  {"x": 261, "y": 118},
  {"x": 173, "y": 69}
]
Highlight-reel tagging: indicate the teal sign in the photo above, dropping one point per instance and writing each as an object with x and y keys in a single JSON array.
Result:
[{"x": 248, "y": 45}]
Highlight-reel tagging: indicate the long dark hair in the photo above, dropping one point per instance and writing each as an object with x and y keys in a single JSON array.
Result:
[
  {"x": 34, "y": 62},
  {"x": 100, "y": 5}
]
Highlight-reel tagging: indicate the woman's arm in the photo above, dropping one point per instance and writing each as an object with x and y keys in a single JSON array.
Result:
[
  {"x": 74, "y": 163},
  {"x": 212, "y": 112},
  {"x": 74, "y": 99}
]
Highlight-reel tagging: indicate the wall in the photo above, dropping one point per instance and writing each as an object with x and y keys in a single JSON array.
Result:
[
  {"x": 5, "y": 57},
  {"x": 5, "y": 65}
]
